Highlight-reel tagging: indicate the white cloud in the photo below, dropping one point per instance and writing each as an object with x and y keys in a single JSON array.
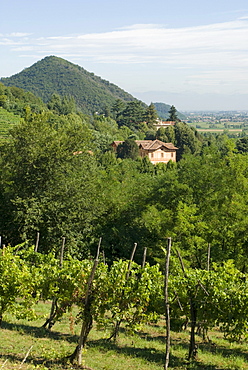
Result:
[
  {"x": 146, "y": 43},
  {"x": 8, "y": 41},
  {"x": 23, "y": 48},
  {"x": 18, "y": 34},
  {"x": 218, "y": 52},
  {"x": 149, "y": 43}
]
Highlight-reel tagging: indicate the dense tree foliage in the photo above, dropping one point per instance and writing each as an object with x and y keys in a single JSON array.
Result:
[
  {"x": 53, "y": 178},
  {"x": 128, "y": 149},
  {"x": 65, "y": 105},
  {"x": 132, "y": 115},
  {"x": 186, "y": 139},
  {"x": 60, "y": 177},
  {"x": 242, "y": 144}
]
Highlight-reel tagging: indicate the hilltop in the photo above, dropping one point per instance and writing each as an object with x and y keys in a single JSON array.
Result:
[{"x": 56, "y": 75}]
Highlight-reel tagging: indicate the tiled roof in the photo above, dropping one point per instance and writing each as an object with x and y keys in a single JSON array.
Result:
[
  {"x": 150, "y": 144},
  {"x": 154, "y": 144}
]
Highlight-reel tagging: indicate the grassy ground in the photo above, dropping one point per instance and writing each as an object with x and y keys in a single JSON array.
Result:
[{"x": 142, "y": 351}]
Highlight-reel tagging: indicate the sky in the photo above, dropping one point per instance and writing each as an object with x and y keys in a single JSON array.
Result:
[{"x": 189, "y": 53}]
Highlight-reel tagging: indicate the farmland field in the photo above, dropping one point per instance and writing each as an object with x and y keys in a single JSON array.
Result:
[
  {"x": 218, "y": 127},
  {"x": 218, "y": 130}
]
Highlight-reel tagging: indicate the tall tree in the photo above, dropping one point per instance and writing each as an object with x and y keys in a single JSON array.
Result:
[
  {"x": 117, "y": 109},
  {"x": 133, "y": 115},
  {"x": 185, "y": 140},
  {"x": 242, "y": 144},
  {"x": 151, "y": 115},
  {"x": 55, "y": 182},
  {"x": 173, "y": 114}
]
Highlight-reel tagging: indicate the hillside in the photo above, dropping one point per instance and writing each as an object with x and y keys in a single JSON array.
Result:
[
  {"x": 163, "y": 111},
  {"x": 14, "y": 104},
  {"x": 56, "y": 75}
]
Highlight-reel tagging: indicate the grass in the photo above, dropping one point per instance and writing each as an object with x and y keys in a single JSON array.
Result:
[{"x": 142, "y": 351}]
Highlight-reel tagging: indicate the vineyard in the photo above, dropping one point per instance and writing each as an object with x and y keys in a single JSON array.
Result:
[
  {"x": 129, "y": 299},
  {"x": 7, "y": 120},
  {"x": 122, "y": 298}
]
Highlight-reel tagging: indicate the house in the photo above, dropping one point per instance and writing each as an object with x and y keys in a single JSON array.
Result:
[
  {"x": 156, "y": 150},
  {"x": 165, "y": 124}
]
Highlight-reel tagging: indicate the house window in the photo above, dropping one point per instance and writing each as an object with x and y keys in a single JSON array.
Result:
[
  {"x": 151, "y": 155},
  {"x": 162, "y": 155},
  {"x": 171, "y": 155}
]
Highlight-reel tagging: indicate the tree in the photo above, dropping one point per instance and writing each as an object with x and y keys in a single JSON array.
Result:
[
  {"x": 185, "y": 140},
  {"x": 54, "y": 103},
  {"x": 161, "y": 134},
  {"x": 68, "y": 105},
  {"x": 150, "y": 135},
  {"x": 151, "y": 115},
  {"x": 166, "y": 135},
  {"x": 55, "y": 184},
  {"x": 146, "y": 165},
  {"x": 117, "y": 109},
  {"x": 133, "y": 115},
  {"x": 128, "y": 149},
  {"x": 242, "y": 144},
  {"x": 173, "y": 114},
  {"x": 64, "y": 105}
]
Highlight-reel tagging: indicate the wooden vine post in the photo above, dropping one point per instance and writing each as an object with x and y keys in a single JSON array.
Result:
[
  {"x": 37, "y": 242},
  {"x": 87, "y": 315},
  {"x": 144, "y": 257},
  {"x": 208, "y": 260},
  {"x": 61, "y": 258},
  {"x": 131, "y": 260},
  {"x": 167, "y": 305}
]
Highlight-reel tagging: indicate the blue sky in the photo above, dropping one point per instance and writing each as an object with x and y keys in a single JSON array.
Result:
[{"x": 190, "y": 53}]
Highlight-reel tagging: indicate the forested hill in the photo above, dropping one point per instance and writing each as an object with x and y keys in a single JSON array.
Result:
[
  {"x": 163, "y": 111},
  {"x": 56, "y": 75}
]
